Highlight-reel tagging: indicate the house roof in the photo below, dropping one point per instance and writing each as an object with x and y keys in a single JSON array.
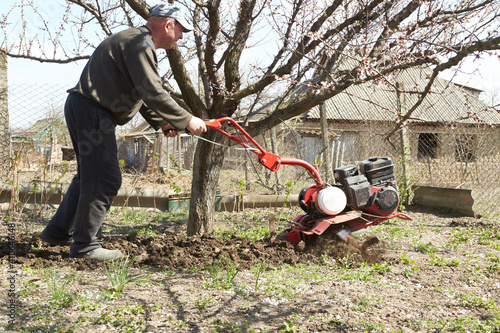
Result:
[
  {"x": 44, "y": 128},
  {"x": 370, "y": 102}
]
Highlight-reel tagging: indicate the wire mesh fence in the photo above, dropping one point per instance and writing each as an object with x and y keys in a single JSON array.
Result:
[{"x": 453, "y": 155}]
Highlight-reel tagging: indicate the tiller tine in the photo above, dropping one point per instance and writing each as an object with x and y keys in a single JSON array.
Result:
[{"x": 304, "y": 228}]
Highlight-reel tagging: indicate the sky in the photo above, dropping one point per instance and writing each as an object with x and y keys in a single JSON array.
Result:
[{"x": 483, "y": 74}]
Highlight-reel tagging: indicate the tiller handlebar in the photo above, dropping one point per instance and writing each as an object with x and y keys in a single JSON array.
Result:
[{"x": 269, "y": 160}]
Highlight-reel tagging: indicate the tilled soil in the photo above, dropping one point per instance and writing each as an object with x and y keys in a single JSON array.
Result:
[{"x": 180, "y": 253}]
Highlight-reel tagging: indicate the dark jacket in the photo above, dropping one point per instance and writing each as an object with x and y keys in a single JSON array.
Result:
[{"x": 122, "y": 76}]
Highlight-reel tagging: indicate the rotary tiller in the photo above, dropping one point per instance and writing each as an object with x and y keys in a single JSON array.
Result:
[{"x": 363, "y": 196}]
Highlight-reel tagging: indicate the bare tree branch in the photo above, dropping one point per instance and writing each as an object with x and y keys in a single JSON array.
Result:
[
  {"x": 95, "y": 12},
  {"x": 140, "y": 7},
  {"x": 45, "y": 60},
  {"x": 462, "y": 54}
]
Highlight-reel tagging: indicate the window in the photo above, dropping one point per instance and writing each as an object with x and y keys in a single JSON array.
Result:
[
  {"x": 465, "y": 146},
  {"x": 427, "y": 146}
]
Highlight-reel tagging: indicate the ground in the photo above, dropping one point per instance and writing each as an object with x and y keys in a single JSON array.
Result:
[{"x": 439, "y": 272}]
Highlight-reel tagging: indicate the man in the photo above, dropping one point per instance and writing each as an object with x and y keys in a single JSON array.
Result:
[{"x": 120, "y": 79}]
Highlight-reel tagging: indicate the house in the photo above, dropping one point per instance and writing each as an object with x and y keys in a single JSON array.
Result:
[
  {"x": 451, "y": 139},
  {"x": 142, "y": 149},
  {"x": 44, "y": 142},
  {"x": 449, "y": 126}
]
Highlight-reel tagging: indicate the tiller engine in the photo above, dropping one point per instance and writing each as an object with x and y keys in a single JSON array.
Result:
[{"x": 363, "y": 196}]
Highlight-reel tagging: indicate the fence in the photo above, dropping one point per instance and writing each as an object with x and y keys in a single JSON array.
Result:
[{"x": 451, "y": 155}]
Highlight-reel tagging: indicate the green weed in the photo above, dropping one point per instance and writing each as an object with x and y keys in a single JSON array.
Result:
[
  {"x": 426, "y": 248},
  {"x": 409, "y": 271},
  {"x": 405, "y": 260},
  {"x": 361, "y": 303},
  {"x": 214, "y": 269},
  {"x": 38, "y": 247},
  {"x": 348, "y": 261},
  {"x": 256, "y": 233},
  {"x": 232, "y": 269},
  {"x": 363, "y": 273},
  {"x": 59, "y": 286},
  {"x": 290, "y": 325},
  {"x": 474, "y": 301},
  {"x": 381, "y": 268},
  {"x": 118, "y": 273},
  {"x": 437, "y": 261},
  {"x": 371, "y": 327},
  {"x": 125, "y": 319},
  {"x": 461, "y": 236},
  {"x": 145, "y": 231},
  {"x": 257, "y": 269},
  {"x": 494, "y": 268},
  {"x": 203, "y": 303}
]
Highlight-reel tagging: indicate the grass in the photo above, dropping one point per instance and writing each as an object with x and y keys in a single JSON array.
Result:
[
  {"x": 472, "y": 300},
  {"x": 218, "y": 280},
  {"x": 426, "y": 248},
  {"x": 256, "y": 233},
  {"x": 118, "y": 273},
  {"x": 203, "y": 303},
  {"x": 456, "y": 324},
  {"x": 405, "y": 259},
  {"x": 128, "y": 318},
  {"x": 257, "y": 268},
  {"x": 58, "y": 285},
  {"x": 289, "y": 325},
  {"x": 409, "y": 271},
  {"x": 145, "y": 231},
  {"x": 438, "y": 261},
  {"x": 233, "y": 299}
]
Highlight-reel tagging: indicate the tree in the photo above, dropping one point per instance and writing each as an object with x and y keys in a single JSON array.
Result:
[
  {"x": 492, "y": 98},
  {"x": 345, "y": 42}
]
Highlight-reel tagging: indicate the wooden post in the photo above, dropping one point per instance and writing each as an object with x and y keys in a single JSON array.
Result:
[
  {"x": 4, "y": 119},
  {"x": 404, "y": 139},
  {"x": 326, "y": 143},
  {"x": 274, "y": 147},
  {"x": 272, "y": 227},
  {"x": 179, "y": 152}
]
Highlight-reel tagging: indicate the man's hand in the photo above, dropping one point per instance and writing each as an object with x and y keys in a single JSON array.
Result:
[
  {"x": 171, "y": 131},
  {"x": 196, "y": 126}
]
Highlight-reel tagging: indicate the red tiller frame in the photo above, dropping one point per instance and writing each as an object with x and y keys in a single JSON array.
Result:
[{"x": 269, "y": 160}]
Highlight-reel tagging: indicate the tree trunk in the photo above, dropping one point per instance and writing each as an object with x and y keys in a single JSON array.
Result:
[{"x": 206, "y": 171}]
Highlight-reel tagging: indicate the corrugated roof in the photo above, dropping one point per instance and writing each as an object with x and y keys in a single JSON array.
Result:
[{"x": 446, "y": 102}]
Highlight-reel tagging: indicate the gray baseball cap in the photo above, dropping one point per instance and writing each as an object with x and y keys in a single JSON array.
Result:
[{"x": 168, "y": 10}]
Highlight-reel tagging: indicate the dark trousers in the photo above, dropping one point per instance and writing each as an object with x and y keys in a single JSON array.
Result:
[{"x": 98, "y": 179}]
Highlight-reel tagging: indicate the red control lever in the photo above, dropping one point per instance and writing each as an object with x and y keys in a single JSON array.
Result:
[{"x": 267, "y": 159}]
